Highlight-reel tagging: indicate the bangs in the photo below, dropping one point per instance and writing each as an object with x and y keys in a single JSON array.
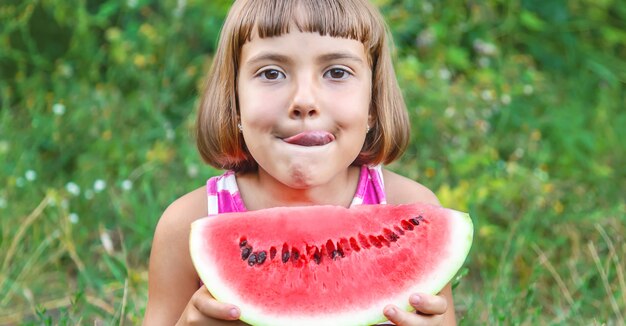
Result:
[{"x": 351, "y": 19}]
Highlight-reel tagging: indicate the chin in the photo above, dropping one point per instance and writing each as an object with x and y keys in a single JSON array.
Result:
[
  {"x": 299, "y": 179},
  {"x": 302, "y": 177}
]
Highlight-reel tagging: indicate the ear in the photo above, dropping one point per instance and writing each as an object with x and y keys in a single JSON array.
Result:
[{"x": 370, "y": 121}]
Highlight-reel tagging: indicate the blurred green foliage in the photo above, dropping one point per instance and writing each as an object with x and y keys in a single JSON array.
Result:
[{"x": 518, "y": 117}]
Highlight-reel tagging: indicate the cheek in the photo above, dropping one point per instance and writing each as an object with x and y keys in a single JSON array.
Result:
[
  {"x": 258, "y": 108},
  {"x": 351, "y": 108}
]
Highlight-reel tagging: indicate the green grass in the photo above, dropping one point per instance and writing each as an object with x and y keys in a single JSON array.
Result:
[{"x": 518, "y": 118}]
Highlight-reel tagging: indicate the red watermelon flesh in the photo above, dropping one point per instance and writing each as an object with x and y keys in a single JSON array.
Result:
[{"x": 328, "y": 265}]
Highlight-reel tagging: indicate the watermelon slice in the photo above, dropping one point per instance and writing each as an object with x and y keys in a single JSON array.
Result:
[{"x": 328, "y": 265}]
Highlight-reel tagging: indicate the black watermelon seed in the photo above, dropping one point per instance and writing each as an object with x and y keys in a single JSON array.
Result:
[
  {"x": 317, "y": 257},
  {"x": 252, "y": 260},
  {"x": 285, "y": 256},
  {"x": 295, "y": 254},
  {"x": 245, "y": 252},
  {"x": 340, "y": 250},
  {"x": 261, "y": 257},
  {"x": 337, "y": 253},
  {"x": 407, "y": 226},
  {"x": 415, "y": 221},
  {"x": 272, "y": 253},
  {"x": 285, "y": 253},
  {"x": 390, "y": 235},
  {"x": 354, "y": 245},
  {"x": 243, "y": 243}
]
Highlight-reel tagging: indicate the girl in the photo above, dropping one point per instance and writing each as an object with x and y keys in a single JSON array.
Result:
[{"x": 301, "y": 107}]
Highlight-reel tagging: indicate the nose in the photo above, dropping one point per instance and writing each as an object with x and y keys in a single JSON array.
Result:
[{"x": 304, "y": 103}]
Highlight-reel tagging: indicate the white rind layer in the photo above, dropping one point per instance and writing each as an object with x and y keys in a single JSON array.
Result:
[{"x": 461, "y": 236}]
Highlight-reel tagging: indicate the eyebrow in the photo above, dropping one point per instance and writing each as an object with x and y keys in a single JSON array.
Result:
[
  {"x": 339, "y": 55},
  {"x": 275, "y": 57},
  {"x": 268, "y": 56}
]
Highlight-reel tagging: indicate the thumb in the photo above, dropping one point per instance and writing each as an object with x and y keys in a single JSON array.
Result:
[{"x": 396, "y": 315}]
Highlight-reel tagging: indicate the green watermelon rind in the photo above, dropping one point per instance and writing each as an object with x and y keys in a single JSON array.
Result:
[{"x": 462, "y": 236}]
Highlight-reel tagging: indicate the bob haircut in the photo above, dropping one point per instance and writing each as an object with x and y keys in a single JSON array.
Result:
[{"x": 218, "y": 139}]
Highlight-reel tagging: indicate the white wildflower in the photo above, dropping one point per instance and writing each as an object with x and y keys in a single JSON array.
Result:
[
  {"x": 192, "y": 170},
  {"x": 485, "y": 48},
  {"x": 505, "y": 99},
  {"x": 72, "y": 188},
  {"x": 99, "y": 185},
  {"x": 58, "y": 109},
  {"x": 73, "y": 217},
  {"x": 425, "y": 39},
  {"x": 127, "y": 185},
  {"x": 450, "y": 112},
  {"x": 445, "y": 74},
  {"x": 31, "y": 175},
  {"x": 528, "y": 89},
  {"x": 66, "y": 70},
  {"x": 486, "y": 95},
  {"x": 3, "y": 202}
]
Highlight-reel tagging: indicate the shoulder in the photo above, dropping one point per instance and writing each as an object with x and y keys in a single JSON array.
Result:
[
  {"x": 171, "y": 237},
  {"x": 402, "y": 190},
  {"x": 185, "y": 209},
  {"x": 172, "y": 279}
]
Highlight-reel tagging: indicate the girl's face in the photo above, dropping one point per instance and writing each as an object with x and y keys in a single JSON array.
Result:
[{"x": 304, "y": 105}]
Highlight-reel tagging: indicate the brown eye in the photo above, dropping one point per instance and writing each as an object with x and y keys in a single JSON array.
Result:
[
  {"x": 337, "y": 73},
  {"x": 272, "y": 74}
]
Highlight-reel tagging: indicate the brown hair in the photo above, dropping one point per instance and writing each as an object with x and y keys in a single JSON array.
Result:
[{"x": 217, "y": 136}]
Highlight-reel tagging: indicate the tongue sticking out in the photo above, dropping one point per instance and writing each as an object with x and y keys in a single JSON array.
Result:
[{"x": 310, "y": 138}]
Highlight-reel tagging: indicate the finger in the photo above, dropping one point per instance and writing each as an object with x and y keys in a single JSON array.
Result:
[
  {"x": 429, "y": 304},
  {"x": 208, "y": 306},
  {"x": 401, "y": 317}
]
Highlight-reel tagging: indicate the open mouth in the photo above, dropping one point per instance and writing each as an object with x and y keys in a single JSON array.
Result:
[{"x": 310, "y": 138}]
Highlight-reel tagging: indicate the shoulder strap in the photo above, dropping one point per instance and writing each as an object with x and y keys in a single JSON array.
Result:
[{"x": 223, "y": 194}]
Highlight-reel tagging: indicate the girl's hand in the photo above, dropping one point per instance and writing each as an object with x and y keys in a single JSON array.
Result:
[
  {"x": 430, "y": 310},
  {"x": 203, "y": 309}
]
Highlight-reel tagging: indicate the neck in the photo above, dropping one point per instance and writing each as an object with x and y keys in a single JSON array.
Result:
[{"x": 260, "y": 190}]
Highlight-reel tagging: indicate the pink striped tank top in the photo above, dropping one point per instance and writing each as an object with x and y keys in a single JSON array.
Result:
[{"x": 223, "y": 193}]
